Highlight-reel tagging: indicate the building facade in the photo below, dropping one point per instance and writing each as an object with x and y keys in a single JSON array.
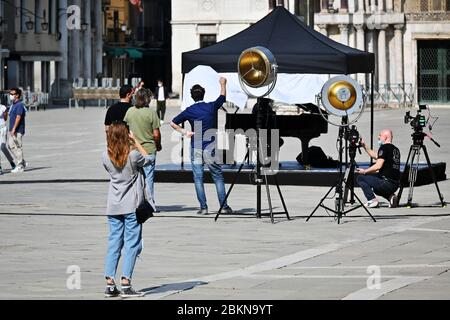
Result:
[
  {"x": 48, "y": 45},
  {"x": 410, "y": 40},
  {"x": 199, "y": 23}
]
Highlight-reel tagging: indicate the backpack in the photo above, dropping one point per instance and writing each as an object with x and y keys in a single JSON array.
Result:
[{"x": 318, "y": 158}]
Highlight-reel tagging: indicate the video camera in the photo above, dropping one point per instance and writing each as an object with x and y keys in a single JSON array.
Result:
[
  {"x": 354, "y": 140},
  {"x": 353, "y": 137},
  {"x": 419, "y": 121}
]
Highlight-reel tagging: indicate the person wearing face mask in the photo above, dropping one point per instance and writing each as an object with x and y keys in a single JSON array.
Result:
[
  {"x": 4, "y": 137},
  {"x": 382, "y": 178},
  {"x": 17, "y": 114},
  {"x": 162, "y": 95}
]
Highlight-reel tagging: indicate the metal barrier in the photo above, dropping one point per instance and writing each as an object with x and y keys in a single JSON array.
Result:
[
  {"x": 399, "y": 94},
  {"x": 35, "y": 100},
  {"x": 86, "y": 89},
  {"x": 30, "y": 99}
]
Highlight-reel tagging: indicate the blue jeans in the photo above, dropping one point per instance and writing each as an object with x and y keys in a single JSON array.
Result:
[
  {"x": 373, "y": 184},
  {"x": 198, "y": 160},
  {"x": 124, "y": 233},
  {"x": 149, "y": 171}
]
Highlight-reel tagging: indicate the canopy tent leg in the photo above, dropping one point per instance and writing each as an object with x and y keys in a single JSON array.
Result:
[
  {"x": 182, "y": 125},
  {"x": 371, "y": 112}
]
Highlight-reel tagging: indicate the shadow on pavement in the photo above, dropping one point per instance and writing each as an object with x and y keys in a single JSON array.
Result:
[{"x": 172, "y": 288}]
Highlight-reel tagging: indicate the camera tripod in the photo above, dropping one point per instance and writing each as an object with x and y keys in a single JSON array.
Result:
[
  {"x": 341, "y": 194},
  {"x": 412, "y": 163},
  {"x": 261, "y": 176}
]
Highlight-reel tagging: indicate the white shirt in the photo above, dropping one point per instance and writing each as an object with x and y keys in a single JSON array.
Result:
[
  {"x": 161, "y": 94},
  {"x": 2, "y": 113}
]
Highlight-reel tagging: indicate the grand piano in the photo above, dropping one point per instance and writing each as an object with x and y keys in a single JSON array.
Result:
[{"x": 305, "y": 126}]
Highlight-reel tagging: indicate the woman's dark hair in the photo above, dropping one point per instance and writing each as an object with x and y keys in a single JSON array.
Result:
[
  {"x": 197, "y": 93},
  {"x": 143, "y": 98}
]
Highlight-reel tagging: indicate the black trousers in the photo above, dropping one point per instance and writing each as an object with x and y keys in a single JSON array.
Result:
[{"x": 161, "y": 109}]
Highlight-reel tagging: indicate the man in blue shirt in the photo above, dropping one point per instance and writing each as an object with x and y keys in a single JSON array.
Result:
[
  {"x": 202, "y": 117},
  {"x": 17, "y": 114}
]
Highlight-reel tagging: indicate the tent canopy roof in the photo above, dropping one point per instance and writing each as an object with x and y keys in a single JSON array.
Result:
[{"x": 296, "y": 47}]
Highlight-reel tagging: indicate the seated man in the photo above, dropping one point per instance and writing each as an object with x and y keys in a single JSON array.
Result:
[{"x": 387, "y": 166}]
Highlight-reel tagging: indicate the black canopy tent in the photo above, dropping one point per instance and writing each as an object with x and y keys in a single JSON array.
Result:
[{"x": 296, "y": 47}]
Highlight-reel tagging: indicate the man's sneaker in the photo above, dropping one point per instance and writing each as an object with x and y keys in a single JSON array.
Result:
[
  {"x": 161, "y": 122},
  {"x": 25, "y": 164},
  {"x": 227, "y": 210},
  {"x": 203, "y": 211},
  {"x": 129, "y": 292},
  {"x": 111, "y": 291},
  {"x": 18, "y": 169},
  {"x": 1, "y": 171},
  {"x": 372, "y": 204},
  {"x": 393, "y": 201}
]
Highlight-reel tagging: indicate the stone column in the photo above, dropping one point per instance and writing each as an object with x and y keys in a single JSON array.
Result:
[
  {"x": 343, "y": 28},
  {"x": 323, "y": 29},
  {"x": 367, "y": 4},
  {"x": 87, "y": 41},
  {"x": 370, "y": 34},
  {"x": 373, "y": 6},
  {"x": 63, "y": 41},
  {"x": 360, "y": 45},
  {"x": 381, "y": 5},
  {"x": 352, "y": 6},
  {"x": 360, "y": 5},
  {"x": 389, "y": 6},
  {"x": 324, "y": 6},
  {"x": 98, "y": 38},
  {"x": 382, "y": 79},
  {"x": 398, "y": 34},
  {"x": 61, "y": 87},
  {"x": 74, "y": 54},
  {"x": 1, "y": 53}
]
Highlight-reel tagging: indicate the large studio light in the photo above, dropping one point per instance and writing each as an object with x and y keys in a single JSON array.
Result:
[
  {"x": 257, "y": 68},
  {"x": 343, "y": 98}
]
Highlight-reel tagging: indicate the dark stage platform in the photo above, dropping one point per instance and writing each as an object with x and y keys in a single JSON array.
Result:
[{"x": 290, "y": 173}]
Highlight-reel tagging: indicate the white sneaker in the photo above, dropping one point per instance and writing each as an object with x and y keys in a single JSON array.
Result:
[
  {"x": 161, "y": 122},
  {"x": 18, "y": 169},
  {"x": 372, "y": 204}
]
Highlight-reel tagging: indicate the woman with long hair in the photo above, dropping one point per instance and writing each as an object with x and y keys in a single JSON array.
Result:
[{"x": 123, "y": 159}]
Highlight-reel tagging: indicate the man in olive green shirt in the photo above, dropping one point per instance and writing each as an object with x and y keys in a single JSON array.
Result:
[{"x": 144, "y": 123}]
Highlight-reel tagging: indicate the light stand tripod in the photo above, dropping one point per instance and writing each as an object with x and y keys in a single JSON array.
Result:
[
  {"x": 413, "y": 163},
  {"x": 341, "y": 198},
  {"x": 349, "y": 176},
  {"x": 260, "y": 178}
]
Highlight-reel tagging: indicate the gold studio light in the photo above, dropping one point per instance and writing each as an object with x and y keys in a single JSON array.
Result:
[
  {"x": 342, "y": 96},
  {"x": 257, "y": 68}
]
